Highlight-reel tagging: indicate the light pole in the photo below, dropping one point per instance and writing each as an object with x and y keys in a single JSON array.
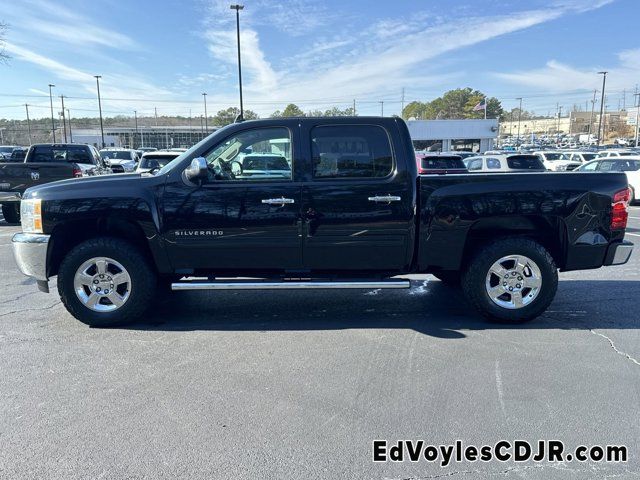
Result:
[
  {"x": 237, "y": 8},
  {"x": 593, "y": 106},
  {"x": 382, "y": 108},
  {"x": 206, "y": 125},
  {"x": 26, "y": 106},
  {"x": 69, "y": 120},
  {"x": 519, "y": 118},
  {"x": 64, "y": 122},
  {"x": 98, "y": 77},
  {"x": 135, "y": 114},
  {"x": 637, "y": 95},
  {"x": 53, "y": 123},
  {"x": 604, "y": 81}
]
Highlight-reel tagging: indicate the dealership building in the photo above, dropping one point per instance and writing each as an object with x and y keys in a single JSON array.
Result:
[
  {"x": 130, "y": 137},
  {"x": 448, "y": 135}
]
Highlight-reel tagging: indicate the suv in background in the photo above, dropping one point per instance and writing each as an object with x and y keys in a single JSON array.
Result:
[
  {"x": 121, "y": 160},
  {"x": 557, "y": 160},
  {"x": 440, "y": 163},
  {"x": 516, "y": 163}
]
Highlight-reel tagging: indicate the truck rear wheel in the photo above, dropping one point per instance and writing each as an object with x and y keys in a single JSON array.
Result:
[
  {"x": 511, "y": 281},
  {"x": 11, "y": 213},
  {"x": 106, "y": 282}
]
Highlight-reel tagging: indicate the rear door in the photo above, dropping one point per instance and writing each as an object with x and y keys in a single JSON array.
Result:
[{"x": 358, "y": 198}]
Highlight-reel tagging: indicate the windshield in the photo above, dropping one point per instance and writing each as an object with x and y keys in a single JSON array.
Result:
[
  {"x": 525, "y": 162},
  {"x": 115, "y": 154},
  {"x": 6, "y": 149},
  {"x": 589, "y": 156},
  {"x": 156, "y": 161},
  {"x": 552, "y": 157}
]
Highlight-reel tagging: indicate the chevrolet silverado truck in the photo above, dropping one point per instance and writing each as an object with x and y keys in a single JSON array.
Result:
[
  {"x": 344, "y": 209},
  {"x": 45, "y": 163}
]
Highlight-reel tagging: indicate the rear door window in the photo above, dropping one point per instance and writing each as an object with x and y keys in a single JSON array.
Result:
[
  {"x": 350, "y": 151},
  {"x": 525, "y": 162}
]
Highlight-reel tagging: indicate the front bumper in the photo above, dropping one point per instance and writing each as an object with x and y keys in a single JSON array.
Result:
[
  {"x": 6, "y": 197},
  {"x": 30, "y": 252},
  {"x": 618, "y": 253}
]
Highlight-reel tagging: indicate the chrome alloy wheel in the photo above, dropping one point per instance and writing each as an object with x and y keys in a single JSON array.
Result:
[
  {"x": 513, "y": 282},
  {"x": 102, "y": 284}
]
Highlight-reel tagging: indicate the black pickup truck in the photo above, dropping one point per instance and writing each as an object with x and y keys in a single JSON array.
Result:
[
  {"x": 341, "y": 207},
  {"x": 45, "y": 163}
]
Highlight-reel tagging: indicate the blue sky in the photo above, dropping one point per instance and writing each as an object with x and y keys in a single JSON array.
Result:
[{"x": 317, "y": 54}]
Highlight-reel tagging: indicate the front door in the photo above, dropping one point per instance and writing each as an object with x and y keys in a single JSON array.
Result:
[
  {"x": 358, "y": 203},
  {"x": 246, "y": 215}
]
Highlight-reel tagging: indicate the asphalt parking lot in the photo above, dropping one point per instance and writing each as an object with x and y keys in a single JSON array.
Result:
[{"x": 299, "y": 384}]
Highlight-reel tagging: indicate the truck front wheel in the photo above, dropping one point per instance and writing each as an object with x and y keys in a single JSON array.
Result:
[
  {"x": 511, "y": 281},
  {"x": 106, "y": 282},
  {"x": 11, "y": 213}
]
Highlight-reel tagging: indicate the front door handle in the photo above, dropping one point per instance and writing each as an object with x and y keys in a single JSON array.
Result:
[
  {"x": 278, "y": 201},
  {"x": 385, "y": 198}
]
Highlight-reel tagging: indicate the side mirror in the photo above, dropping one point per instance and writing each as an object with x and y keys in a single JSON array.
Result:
[{"x": 197, "y": 170}]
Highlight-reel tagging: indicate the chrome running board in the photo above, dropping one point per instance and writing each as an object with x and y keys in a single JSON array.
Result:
[{"x": 287, "y": 285}]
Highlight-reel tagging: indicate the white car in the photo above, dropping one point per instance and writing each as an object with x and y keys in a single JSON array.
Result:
[
  {"x": 121, "y": 160},
  {"x": 616, "y": 153},
  {"x": 582, "y": 157},
  {"x": 629, "y": 165},
  {"x": 556, "y": 160},
  {"x": 155, "y": 160}
]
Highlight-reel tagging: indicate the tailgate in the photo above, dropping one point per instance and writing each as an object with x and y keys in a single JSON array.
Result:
[{"x": 17, "y": 177}]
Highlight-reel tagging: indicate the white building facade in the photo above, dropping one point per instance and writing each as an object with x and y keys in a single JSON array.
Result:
[{"x": 450, "y": 135}]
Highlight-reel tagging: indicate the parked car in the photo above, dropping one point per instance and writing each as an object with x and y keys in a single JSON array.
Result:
[
  {"x": 582, "y": 156},
  {"x": 45, "y": 163},
  {"x": 441, "y": 163},
  {"x": 516, "y": 162},
  {"x": 616, "y": 153},
  {"x": 556, "y": 160},
  {"x": 155, "y": 160},
  {"x": 5, "y": 151},
  {"x": 629, "y": 165},
  {"x": 121, "y": 160},
  {"x": 355, "y": 221}
]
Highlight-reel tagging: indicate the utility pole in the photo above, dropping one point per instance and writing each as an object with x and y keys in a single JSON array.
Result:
[
  {"x": 382, "y": 108},
  {"x": 53, "y": 123},
  {"x": 604, "y": 82},
  {"x": 519, "y": 119},
  {"x": 135, "y": 114},
  {"x": 190, "y": 138},
  {"x": 402, "y": 104},
  {"x": 593, "y": 104},
  {"x": 26, "y": 106},
  {"x": 354, "y": 107},
  {"x": 237, "y": 8},
  {"x": 201, "y": 127},
  {"x": 98, "y": 77},
  {"x": 64, "y": 122},
  {"x": 559, "y": 113},
  {"x": 637, "y": 95},
  {"x": 206, "y": 124},
  {"x": 69, "y": 119}
]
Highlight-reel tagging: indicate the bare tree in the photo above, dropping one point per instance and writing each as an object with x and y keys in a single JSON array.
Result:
[{"x": 3, "y": 55}]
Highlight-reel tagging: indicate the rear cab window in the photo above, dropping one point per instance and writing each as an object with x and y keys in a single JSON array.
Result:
[
  {"x": 351, "y": 151},
  {"x": 525, "y": 162},
  {"x": 442, "y": 162},
  {"x": 64, "y": 154}
]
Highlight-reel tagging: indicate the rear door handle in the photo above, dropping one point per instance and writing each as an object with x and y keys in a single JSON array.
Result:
[
  {"x": 385, "y": 198},
  {"x": 278, "y": 201}
]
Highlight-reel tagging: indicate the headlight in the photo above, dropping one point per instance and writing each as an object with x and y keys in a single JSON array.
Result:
[{"x": 31, "y": 215}]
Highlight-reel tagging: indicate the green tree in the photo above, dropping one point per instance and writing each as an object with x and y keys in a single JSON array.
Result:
[
  {"x": 225, "y": 117},
  {"x": 292, "y": 110},
  {"x": 454, "y": 104}
]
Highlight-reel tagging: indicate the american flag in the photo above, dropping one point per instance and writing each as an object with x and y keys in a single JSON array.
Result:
[{"x": 482, "y": 105}]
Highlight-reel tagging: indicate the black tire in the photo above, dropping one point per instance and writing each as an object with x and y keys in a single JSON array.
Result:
[
  {"x": 474, "y": 278},
  {"x": 449, "y": 278},
  {"x": 143, "y": 281},
  {"x": 11, "y": 213}
]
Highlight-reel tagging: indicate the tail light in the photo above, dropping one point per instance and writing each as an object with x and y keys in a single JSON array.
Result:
[
  {"x": 77, "y": 172},
  {"x": 619, "y": 213}
]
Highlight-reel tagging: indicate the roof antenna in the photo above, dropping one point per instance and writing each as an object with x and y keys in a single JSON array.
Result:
[{"x": 239, "y": 119}]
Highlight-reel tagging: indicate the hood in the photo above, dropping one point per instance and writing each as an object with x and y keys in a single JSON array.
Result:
[{"x": 92, "y": 187}]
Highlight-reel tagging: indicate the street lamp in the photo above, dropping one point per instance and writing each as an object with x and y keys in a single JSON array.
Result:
[
  {"x": 135, "y": 114},
  {"x": 98, "y": 77},
  {"x": 237, "y": 8},
  {"x": 64, "y": 122},
  {"x": 26, "y": 106},
  {"x": 604, "y": 81},
  {"x": 69, "y": 120},
  {"x": 519, "y": 118},
  {"x": 53, "y": 123},
  {"x": 637, "y": 95},
  {"x": 206, "y": 125}
]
